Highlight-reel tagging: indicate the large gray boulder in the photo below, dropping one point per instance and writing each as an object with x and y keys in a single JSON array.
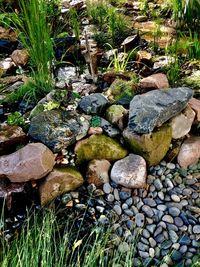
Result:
[
  {"x": 58, "y": 129},
  {"x": 152, "y": 109}
]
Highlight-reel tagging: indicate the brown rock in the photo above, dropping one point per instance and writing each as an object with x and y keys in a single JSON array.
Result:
[
  {"x": 190, "y": 152},
  {"x": 195, "y": 105},
  {"x": 20, "y": 56},
  {"x": 143, "y": 57},
  {"x": 59, "y": 181},
  {"x": 31, "y": 162},
  {"x": 97, "y": 172},
  {"x": 155, "y": 81},
  {"x": 130, "y": 42},
  {"x": 182, "y": 123},
  {"x": 10, "y": 137},
  {"x": 95, "y": 130},
  {"x": 130, "y": 172}
]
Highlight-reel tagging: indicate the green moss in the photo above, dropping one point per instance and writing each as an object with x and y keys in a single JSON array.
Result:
[
  {"x": 99, "y": 147},
  {"x": 71, "y": 171}
]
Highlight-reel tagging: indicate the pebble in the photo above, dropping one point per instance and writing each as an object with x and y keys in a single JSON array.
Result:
[
  {"x": 145, "y": 233},
  {"x": 151, "y": 252},
  {"x": 176, "y": 256},
  {"x": 166, "y": 244},
  {"x": 183, "y": 249},
  {"x": 116, "y": 194},
  {"x": 107, "y": 188},
  {"x": 171, "y": 166},
  {"x": 142, "y": 247},
  {"x": 151, "y": 228},
  {"x": 129, "y": 201},
  {"x": 117, "y": 209},
  {"x": 162, "y": 207},
  {"x": 185, "y": 240},
  {"x": 124, "y": 195},
  {"x": 158, "y": 184},
  {"x": 196, "y": 229},
  {"x": 128, "y": 212},
  {"x": 174, "y": 211},
  {"x": 178, "y": 221},
  {"x": 130, "y": 224},
  {"x": 149, "y": 202},
  {"x": 140, "y": 219},
  {"x": 161, "y": 195},
  {"x": 152, "y": 242},
  {"x": 148, "y": 211},
  {"x": 110, "y": 198},
  {"x": 173, "y": 236},
  {"x": 175, "y": 198},
  {"x": 167, "y": 219}
]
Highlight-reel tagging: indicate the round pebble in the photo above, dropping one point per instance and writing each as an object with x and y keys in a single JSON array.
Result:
[{"x": 107, "y": 188}]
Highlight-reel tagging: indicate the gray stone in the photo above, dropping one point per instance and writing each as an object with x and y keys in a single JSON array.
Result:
[
  {"x": 158, "y": 184},
  {"x": 174, "y": 211},
  {"x": 173, "y": 236},
  {"x": 175, "y": 198},
  {"x": 148, "y": 211},
  {"x": 140, "y": 219},
  {"x": 178, "y": 221},
  {"x": 123, "y": 247},
  {"x": 107, "y": 188},
  {"x": 149, "y": 202},
  {"x": 152, "y": 109},
  {"x": 196, "y": 229},
  {"x": 152, "y": 242},
  {"x": 130, "y": 172},
  {"x": 176, "y": 256},
  {"x": 58, "y": 129},
  {"x": 117, "y": 209},
  {"x": 93, "y": 104},
  {"x": 151, "y": 228},
  {"x": 167, "y": 219}
]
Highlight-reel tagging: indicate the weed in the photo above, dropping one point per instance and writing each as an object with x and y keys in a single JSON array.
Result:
[
  {"x": 144, "y": 7},
  {"x": 75, "y": 22},
  {"x": 15, "y": 119},
  {"x": 173, "y": 73},
  {"x": 95, "y": 121}
]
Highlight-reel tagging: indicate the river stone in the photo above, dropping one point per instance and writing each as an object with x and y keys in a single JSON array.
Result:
[
  {"x": 130, "y": 172},
  {"x": 58, "y": 129},
  {"x": 59, "y": 181},
  {"x": 93, "y": 104},
  {"x": 181, "y": 124},
  {"x": 97, "y": 172},
  {"x": 31, "y": 162},
  {"x": 153, "y": 108},
  {"x": 99, "y": 147},
  {"x": 190, "y": 152},
  {"x": 116, "y": 114},
  {"x": 153, "y": 146}
]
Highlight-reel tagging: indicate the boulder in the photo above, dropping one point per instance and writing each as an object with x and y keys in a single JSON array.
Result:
[
  {"x": 58, "y": 182},
  {"x": 116, "y": 115},
  {"x": 31, "y": 162},
  {"x": 153, "y": 146},
  {"x": 97, "y": 172},
  {"x": 153, "y": 108},
  {"x": 181, "y": 124},
  {"x": 190, "y": 152},
  {"x": 130, "y": 172},
  {"x": 93, "y": 104},
  {"x": 20, "y": 56},
  {"x": 10, "y": 137},
  {"x": 58, "y": 129},
  {"x": 99, "y": 147},
  {"x": 195, "y": 105},
  {"x": 155, "y": 81}
]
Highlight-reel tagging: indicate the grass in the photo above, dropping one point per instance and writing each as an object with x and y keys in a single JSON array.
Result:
[{"x": 47, "y": 241}]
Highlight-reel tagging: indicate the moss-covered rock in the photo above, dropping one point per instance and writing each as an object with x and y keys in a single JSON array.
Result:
[
  {"x": 116, "y": 114},
  {"x": 99, "y": 147},
  {"x": 59, "y": 181},
  {"x": 153, "y": 146}
]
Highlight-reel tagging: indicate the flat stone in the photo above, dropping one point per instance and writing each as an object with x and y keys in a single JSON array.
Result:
[
  {"x": 31, "y": 162},
  {"x": 130, "y": 172},
  {"x": 153, "y": 108},
  {"x": 167, "y": 219},
  {"x": 20, "y": 56},
  {"x": 154, "y": 81},
  {"x": 59, "y": 181},
  {"x": 148, "y": 211},
  {"x": 174, "y": 211}
]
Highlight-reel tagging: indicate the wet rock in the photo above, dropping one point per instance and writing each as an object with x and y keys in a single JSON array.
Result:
[
  {"x": 195, "y": 105},
  {"x": 59, "y": 181},
  {"x": 155, "y": 81},
  {"x": 152, "y": 147},
  {"x": 116, "y": 114},
  {"x": 20, "y": 57},
  {"x": 10, "y": 137},
  {"x": 152, "y": 109},
  {"x": 93, "y": 104},
  {"x": 130, "y": 172},
  {"x": 99, "y": 147},
  {"x": 97, "y": 172},
  {"x": 189, "y": 152},
  {"x": 181, "y": 124},
  {"x": 31, "y": 162},
  {"x": 58, "y": 129}
]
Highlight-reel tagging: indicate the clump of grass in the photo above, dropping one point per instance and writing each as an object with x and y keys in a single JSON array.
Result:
[{"x": 75, "y": 22}]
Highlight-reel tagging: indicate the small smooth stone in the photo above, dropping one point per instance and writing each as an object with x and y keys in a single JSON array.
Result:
[
  {"x": 196, "y": 229},
  {"x": 188, "y": 262},
  {"x": 128, "y": 212},
  {"x": 178, "y": 221},
  {"x": 100, "y": 209},
  {"x": 175, "y": 198},
  {"x": 130, "y": 224},
  {"x": 151, "y": 252},
  {"x": 172, "y": 227},
  {"x": 129, "y": 201},
  {"x": 149, "y": 202},
  {"x": 178, "y": 180},
  {"x": 176, "y": 256},
  {"x": 171, "y": 166},
  {"x": 103, "y": 220},
  {"x": 174, "y": 211},
  {"x": 136, "y": 262},
  {"x": 176, "y": 246},
  {"x": 124, "y": 206},
  {"x": 183, "y": 249},
  {"x": 161, "y": 195},
  {"x": 148, "y": 211},
  {"x": 160, "y": 238},
  {"x": 185, "y": 240},
  {"x": 107, "y": 188},
  {"x": 123, "y": 247},
  {"x": 151, "y": 228},
  {"x": 117, "y": 209},
  {"x": 143, "y": 254},
  {"x": 116, "y": 194},
  {"x": 124, "y": 195},
  {"x": 134, "y": 209},
  {"x": 158, "y": 184},
  {"x": 184, "y": 202},
  {"x": 187, "y": 192},
  {"x": 158, "y": 231},
  {"x": 110, "y": 198},
  {"x": 173, "y": 236},
  {"x": 166, "y": 244},
  {"x": 140, "y": 219},
  {"x": 164, "y": 265},
  {"x": 195, "y": 243},
  {"x": 152, "y": 242},
  {"x": 145, "y": 233},
  {"x": 142, "y": 247},
  {"x": 162, "y": 207},
  {"x": 167, "y": 219}
]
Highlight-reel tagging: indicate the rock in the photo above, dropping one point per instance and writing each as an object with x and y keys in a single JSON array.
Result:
[
  {"x": 99, "y": 147},
  {"x": 31, "y": 162},
  {"x": 144, "y": 57},
  {"x": 93, "y": 104},
  {"x": 20, "y": 57},
  {"x": 10, "y": 137},
  {"x": 181, "y": 124},
  {"x": 107, "y": 188},
  {"x": 97, "y": 172},
  {"x": 109, "y": 129},
  {"x": 174, "y": 211},
  {"x": 59, "y": 181},
  {"x": 58, "y": 129},
  {"x": 167, "y": 219},
  {"x": 95, "y": 130},
  {"x": 140, "y": 219},
  {"x": 83, "y": 88},
  {"x": 116, "y": 115},
  {"x": 152, "y": 147},
  {"x": 5, "y": 66},
  {"x": 163, "y": 61},
  {"x": 153, "y": 108},
  {"x": 130, "y": 42},
  {"x": 141, "y": 18},
  {"x": 154, "y": 81},
  {"x": 195, "y": 105},
  {"x": 189, "y": 152},
  {"x": 117, "y": 209},
  {"x": 130, "y": 172},
  {"x": 196, "y": 229}
]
